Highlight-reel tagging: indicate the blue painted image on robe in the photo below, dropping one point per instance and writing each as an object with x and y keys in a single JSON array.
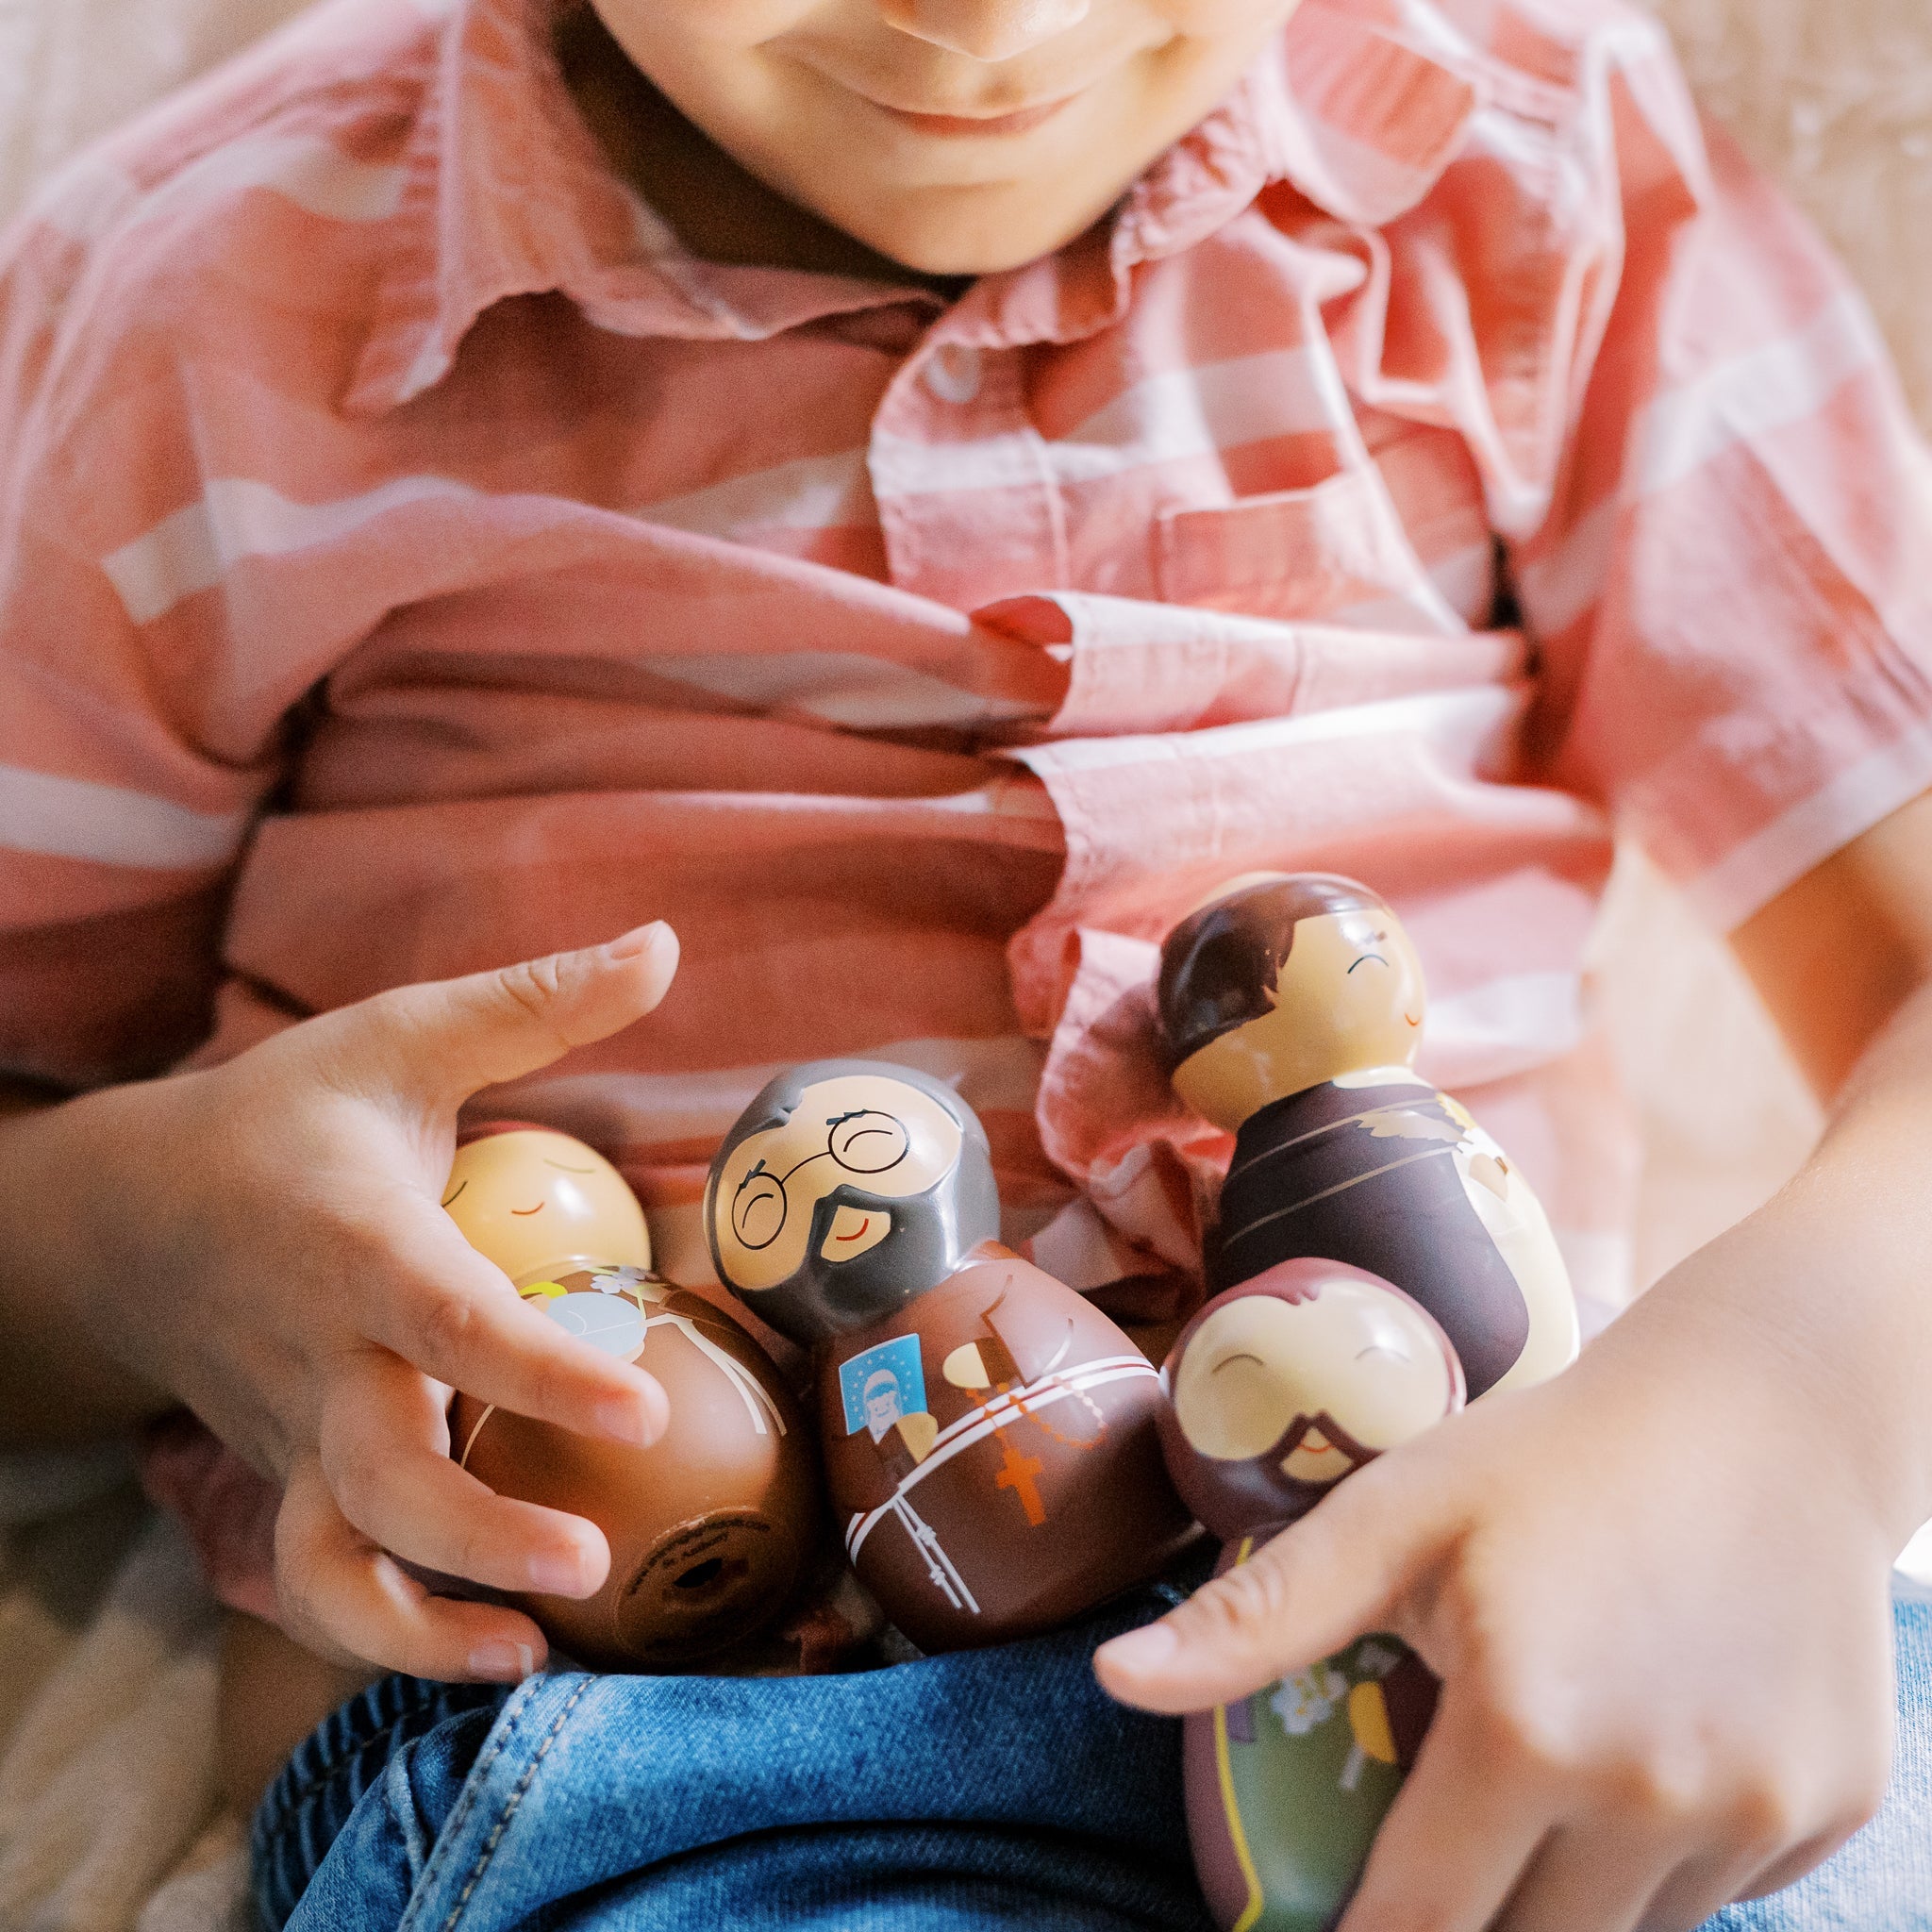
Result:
[{"x": 881, "y": 1384}]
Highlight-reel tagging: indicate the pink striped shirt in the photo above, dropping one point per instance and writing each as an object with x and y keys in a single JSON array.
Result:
[{"x": 412, "y": 561}]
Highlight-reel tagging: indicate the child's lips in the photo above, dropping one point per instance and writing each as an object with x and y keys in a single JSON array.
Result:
[{"x": 979, "y": 126}]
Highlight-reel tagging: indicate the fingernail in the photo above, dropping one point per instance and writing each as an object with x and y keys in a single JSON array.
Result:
[
  {"x": 643, "y": 939},
  {"x": 557, "y": 1576},
  {"x": 629, "y": 1418},
  {"x": 1145, "y": 1649},
  {"x": 502, "y": 1662}
]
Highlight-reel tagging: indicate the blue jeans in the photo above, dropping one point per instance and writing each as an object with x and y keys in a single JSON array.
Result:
[{"x": 985, "y": 1789}]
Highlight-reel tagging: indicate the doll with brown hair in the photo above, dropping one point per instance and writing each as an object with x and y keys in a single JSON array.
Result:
[
  {"x": 1277, "y": 1391},
  {"x": 1293, "y": 1007},
  {"x": 1380, "y": 1260},
  {"x": 989, "y": 1435},
  {"x": 712, "y": 1528}
]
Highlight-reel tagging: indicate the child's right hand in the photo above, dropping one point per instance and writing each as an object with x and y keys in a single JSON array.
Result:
[{"x": 265, "y": 1240}]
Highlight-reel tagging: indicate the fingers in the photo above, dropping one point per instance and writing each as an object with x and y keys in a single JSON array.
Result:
[
  {"x": 1328, "y": 1579},
  {"x": 1697, "y": 1890},
  {"x": 1456, "y": 1839},
  {"x": 438, "y": 1305},
  {"x": 447, "y": 1040},
  {"x": 1589, "y": 1877},
  {"x": 1708, "y": 1885},
  {"x": 383, "y": 1455},
  {"x": 343, "y": 1598}
]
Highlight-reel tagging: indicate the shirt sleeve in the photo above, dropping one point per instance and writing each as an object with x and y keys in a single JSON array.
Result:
[
  {"x": 1731, "y": 598},
  {"x": 122, "y": 809}
]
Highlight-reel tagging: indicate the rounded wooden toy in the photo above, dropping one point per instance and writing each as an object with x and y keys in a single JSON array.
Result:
[
  {"x": 710, "y": 1528},
  {"x": 1379, "y": 1260},
  {"x": 989, "y": 1435}
]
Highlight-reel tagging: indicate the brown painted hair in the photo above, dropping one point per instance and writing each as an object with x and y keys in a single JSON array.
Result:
[{"x": 1219, "y": 966}]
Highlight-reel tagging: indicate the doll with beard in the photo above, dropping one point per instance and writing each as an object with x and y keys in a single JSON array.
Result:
[
  {"x": 1292, "y": 1008},
  {"x": 989, "y": 1437},
  {"x": 1276, "y": 1391}
]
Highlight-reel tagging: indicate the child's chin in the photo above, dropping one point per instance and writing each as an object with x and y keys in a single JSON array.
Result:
[{"x": 949, "y": 233}]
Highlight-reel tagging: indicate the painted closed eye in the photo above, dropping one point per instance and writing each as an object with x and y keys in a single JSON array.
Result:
[
  {"x": 757, "y": 1209},
  {"x": 1228, "y": 1361},
  {"x": 1388, "y": 1352},
  {"x": 867, "y": 1140},
  {"x": 1366, "y": 958},
  {"x": 564, "y": 1167},
  {"x": 454, "y": 1191}
]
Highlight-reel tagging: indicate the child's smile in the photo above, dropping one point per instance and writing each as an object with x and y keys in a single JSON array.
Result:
[{"x": 953, "y": 136}]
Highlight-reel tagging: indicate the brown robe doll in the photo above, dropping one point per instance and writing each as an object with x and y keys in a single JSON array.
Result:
[
  {"x": 712, "y": 1528},
  {"x": 989, "y": 1436},
  {"x": 1292, "y": 1007}
]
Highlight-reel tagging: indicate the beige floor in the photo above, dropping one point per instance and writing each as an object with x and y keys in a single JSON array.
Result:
[{"x": 106, "y": 1685}]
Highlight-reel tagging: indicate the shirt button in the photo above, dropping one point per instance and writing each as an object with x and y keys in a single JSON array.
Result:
[{"x": 953, "y": 372}]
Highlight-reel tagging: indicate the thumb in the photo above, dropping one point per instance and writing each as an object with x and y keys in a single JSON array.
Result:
[
  {"x": 1336, "y": 1575},
  {"x": 448, "y": 1039}
]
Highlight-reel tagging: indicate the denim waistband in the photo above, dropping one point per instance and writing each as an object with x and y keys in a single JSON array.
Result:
[{"x": 988, "y": 1788}]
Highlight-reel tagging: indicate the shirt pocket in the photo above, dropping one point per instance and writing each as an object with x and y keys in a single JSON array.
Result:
[{"x": 1335, "y": 553}]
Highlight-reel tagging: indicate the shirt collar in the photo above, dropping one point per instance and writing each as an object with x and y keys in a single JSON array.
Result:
[{"x": 505, "y": 192}]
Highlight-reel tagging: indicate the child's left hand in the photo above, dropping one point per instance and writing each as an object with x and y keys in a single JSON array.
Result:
[{"x": 1656, "y": 1592}]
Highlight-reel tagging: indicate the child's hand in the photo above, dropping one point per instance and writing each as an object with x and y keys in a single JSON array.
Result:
[
  {"x": 1655, "y": 1592},
  {"x": 265, "y": 1240}
]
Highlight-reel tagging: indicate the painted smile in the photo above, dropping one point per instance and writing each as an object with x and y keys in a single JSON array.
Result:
[
  {"x": 858, "y": 1234},
  {"x": 521, "y": 1212}
]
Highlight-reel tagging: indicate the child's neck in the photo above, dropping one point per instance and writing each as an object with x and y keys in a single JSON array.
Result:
[{"x": 717, "y": 210}]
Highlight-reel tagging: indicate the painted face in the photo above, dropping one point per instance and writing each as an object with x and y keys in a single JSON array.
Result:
[
  {"x": 846, "y": 1190},
  {"x": 882, "y": 1405},
  {"x": 955, "y": 136},
  {"x": 1288, "y": 1384},
  {"x": 877, "y": 1135},
  {"x": 1348, "y": 997},
  {"x": 539, "y": 1203}
]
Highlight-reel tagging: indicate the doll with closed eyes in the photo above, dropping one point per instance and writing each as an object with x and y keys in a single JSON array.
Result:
[
  {"x": 1378, "y": 1260},
  {"x": 1292, "y": 1008},
  {"x": 1278, "y": 1391},
  {"x": 712, "y": 1528},
  {"x": 989, "y": 1437}
]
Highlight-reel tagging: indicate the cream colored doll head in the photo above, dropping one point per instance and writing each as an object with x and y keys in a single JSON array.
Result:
[
  {"x": 1284, "y": 1386},
  {"x": 1279, "y": 983},
  {"x": 541, "y": 1204}
]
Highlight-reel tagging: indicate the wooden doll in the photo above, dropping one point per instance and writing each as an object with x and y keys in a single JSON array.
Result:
[
  {"x": 1279, "y": 1389},
  {"x": 989, "y": 1437},
  {"x": 1292, "y": 1007},
  {"x": 712, "y": 1528}
]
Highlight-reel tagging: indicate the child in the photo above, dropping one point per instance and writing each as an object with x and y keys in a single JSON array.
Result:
[{"x": 913, "y": 494}]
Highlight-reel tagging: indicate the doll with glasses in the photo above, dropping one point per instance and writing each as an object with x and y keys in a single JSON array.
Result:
[{"x": 989, "y": 1436}]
